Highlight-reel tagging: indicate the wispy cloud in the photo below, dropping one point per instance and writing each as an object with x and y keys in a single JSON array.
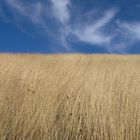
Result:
[
  {"x": 60, "y": 10},
  {"x": 61, "y": 13},
  {"x": 127, "y": 34},
  {"x": 55, "y": 21},
  {"x": 93, "y": 33},
  {"x": 132, "y": 29},
  {"x": 32, "y": 11}
]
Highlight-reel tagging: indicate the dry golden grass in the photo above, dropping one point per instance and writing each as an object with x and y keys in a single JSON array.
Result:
[{"x": 69, "y": 97}]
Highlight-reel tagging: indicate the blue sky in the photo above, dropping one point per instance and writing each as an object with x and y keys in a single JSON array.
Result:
[{"x": 70, "y": 26}]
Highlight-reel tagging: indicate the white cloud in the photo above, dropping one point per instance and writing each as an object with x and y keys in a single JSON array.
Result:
[
  {"x": 61, "y": 10},
  {"x": 131, "y": 29},
  {"x": 93, "y": 33},
  {"x": 127, "y": 34},
  {"x": 28, "y": 10},
  {"x": 64, "y": 29}
]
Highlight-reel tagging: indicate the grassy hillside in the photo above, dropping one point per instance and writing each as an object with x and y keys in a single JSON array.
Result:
[{"x": 69, "y": 97}]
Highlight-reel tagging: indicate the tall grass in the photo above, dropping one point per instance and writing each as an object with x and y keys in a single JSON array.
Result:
[{"x": 69, "y": 97}]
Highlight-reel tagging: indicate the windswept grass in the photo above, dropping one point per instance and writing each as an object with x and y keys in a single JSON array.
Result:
[{"x": 69, "y": 97}]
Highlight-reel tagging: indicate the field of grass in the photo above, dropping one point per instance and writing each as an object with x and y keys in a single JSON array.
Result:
[{"x": 69, "y": 97}]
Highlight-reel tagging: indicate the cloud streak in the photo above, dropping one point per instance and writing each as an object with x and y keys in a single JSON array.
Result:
[
  {"x": 60, "y": 9},
  {"x": 132, "y": 29},
  {"x": 93, "y": 33},
  {"x": 28, "y": 10},
  {"x": 55, "y": 21},
  {"x": 127, "y": 36}
]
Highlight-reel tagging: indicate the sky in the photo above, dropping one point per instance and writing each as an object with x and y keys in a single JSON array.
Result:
[{"x": 70, "y": 26}]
